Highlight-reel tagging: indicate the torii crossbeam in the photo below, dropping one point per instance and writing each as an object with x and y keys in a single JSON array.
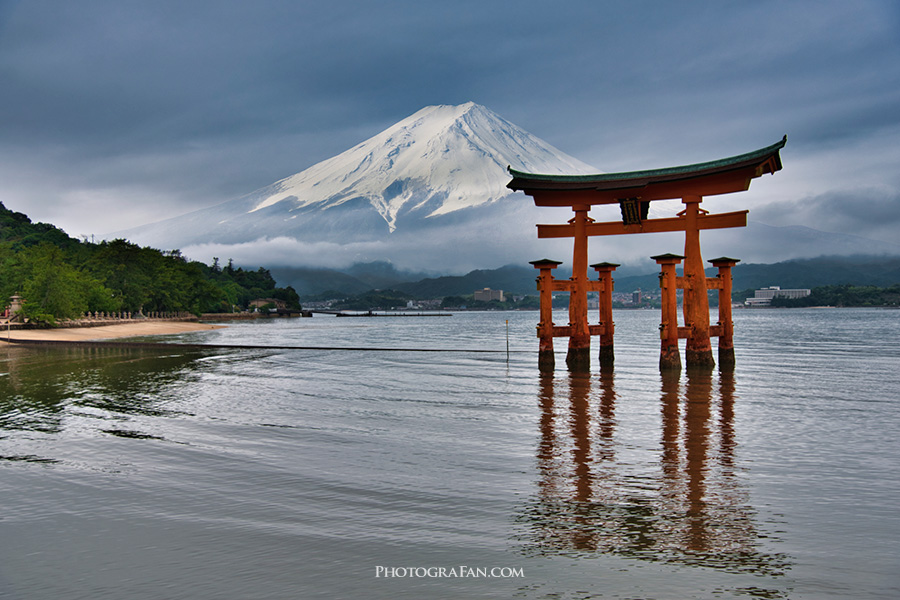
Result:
[{"x": 633, "y": 192}]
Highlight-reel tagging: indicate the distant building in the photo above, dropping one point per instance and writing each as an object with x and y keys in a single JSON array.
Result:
[
  {"x": 764, "y": 296},
  {"x": 636, "y": 296},
  {"x": 487, "y": 294},
  {"x": 260, "y": 302}
]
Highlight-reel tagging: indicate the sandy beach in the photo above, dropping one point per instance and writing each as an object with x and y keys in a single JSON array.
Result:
[{"x": 107, "y": 332}]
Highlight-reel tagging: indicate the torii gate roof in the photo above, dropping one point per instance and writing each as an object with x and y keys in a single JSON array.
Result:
[{"x": 722, "y": 176}]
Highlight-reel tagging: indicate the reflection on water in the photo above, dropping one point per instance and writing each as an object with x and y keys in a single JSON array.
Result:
[
  {"x": 687, "y": 505},
  {"x": 42, "y": 388},
  {"x": 284, "y": 473}
]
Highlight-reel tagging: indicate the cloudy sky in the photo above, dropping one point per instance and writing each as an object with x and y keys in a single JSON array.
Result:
[{"x": 118, "y": 113}]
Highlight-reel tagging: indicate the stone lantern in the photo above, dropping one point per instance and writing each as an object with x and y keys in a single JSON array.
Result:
[{"x": 15, "y": 306}]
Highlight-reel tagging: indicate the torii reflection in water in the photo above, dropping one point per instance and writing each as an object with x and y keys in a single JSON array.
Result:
[{"x": 687, "y": 506}]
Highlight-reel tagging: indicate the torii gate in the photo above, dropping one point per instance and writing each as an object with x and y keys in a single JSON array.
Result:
[{"x": 633, "y": 192}]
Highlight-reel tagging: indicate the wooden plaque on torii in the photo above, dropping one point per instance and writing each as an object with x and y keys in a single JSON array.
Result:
[{"x": 633, "y": 192}]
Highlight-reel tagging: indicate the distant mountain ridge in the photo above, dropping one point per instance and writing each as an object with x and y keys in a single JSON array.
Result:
[{"x": 873, "y": 270}]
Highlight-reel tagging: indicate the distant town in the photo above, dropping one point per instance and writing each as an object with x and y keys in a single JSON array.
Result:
[{"x": 495, "y": 299}]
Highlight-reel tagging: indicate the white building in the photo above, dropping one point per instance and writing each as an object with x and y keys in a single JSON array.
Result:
[
  {"x": 487, "y": 294},
  {"x": 764, "y": 296}
]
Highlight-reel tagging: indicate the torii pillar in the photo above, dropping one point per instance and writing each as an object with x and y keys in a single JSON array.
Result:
[
  {"x": 725, "y": 324},
  {"x": 695, "y": 304},
  {"x": 669, "y": 357},
  {"x": 578, "y": 357},
  {"x": 545, "y": 285},
  {"x": 607, "y": 327}
]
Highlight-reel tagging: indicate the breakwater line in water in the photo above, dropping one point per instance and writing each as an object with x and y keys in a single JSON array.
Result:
[{"x": 126, "y": 344}]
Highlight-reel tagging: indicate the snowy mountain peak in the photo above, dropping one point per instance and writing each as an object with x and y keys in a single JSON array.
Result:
[
  {"x": 439, "y": 160},
  {"x": 439, "y": 174}
]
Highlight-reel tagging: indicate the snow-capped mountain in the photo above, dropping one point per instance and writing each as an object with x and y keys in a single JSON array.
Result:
[
  {"x": 429, "y": 170},
  {"x": 439, "y": 160}
]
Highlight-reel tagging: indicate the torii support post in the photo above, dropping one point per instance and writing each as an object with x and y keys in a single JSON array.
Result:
[
  {"x": 546, "y": 359},
  {"x": 607, "y": 327},
  {"x": 669, "y": 357},
  {"x": 695, "y": 302},
  {"x": 726, "y": 326},
  {"x": 579, "y": 356}
]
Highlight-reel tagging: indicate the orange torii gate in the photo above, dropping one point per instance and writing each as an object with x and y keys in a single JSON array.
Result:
[{"x": 633, "y": 192}]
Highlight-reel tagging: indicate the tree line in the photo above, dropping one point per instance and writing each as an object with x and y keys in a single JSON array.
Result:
[{"x": 60, "y": 277}]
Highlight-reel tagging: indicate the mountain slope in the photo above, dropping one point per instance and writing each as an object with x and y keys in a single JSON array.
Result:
[
  {"x": 876, "y": 270},
  {"x": 426, "y": 170},
  {"x": 857, "y": 269},
  {"x": 439, "y": 160}
]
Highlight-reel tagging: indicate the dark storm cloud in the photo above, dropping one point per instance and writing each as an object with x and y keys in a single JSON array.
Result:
[
  {"x": 100, "y": 81},
  {"x": 158, "y": 108},
  {"x": 161, "y": 73},
  {"x": 868, "y": 212}
]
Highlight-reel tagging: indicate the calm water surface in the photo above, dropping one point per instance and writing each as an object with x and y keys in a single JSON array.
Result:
[{"x": 280, "y": 473}]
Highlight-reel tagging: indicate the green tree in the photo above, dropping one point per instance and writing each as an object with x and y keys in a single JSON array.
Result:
[
  {"x": 63, "y": 276},
  {"x": 454, "y": 302},
  {"x": 54, "y": 289},
  {"x": 289, "y": 295}
]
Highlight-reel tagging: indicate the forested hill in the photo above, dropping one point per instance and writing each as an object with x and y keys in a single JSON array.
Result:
[
  {"x": 62, "y": 277},
  {"x": 315, "y": 283}
]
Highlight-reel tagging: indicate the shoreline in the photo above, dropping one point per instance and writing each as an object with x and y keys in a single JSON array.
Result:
[{"x": 106, "y": 332}]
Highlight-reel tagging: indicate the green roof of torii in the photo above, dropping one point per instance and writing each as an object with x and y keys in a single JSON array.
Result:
[{"x": 765, "y": 159}]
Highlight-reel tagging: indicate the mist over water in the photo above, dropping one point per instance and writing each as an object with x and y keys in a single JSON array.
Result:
[{"x": 230, "y": 473}]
